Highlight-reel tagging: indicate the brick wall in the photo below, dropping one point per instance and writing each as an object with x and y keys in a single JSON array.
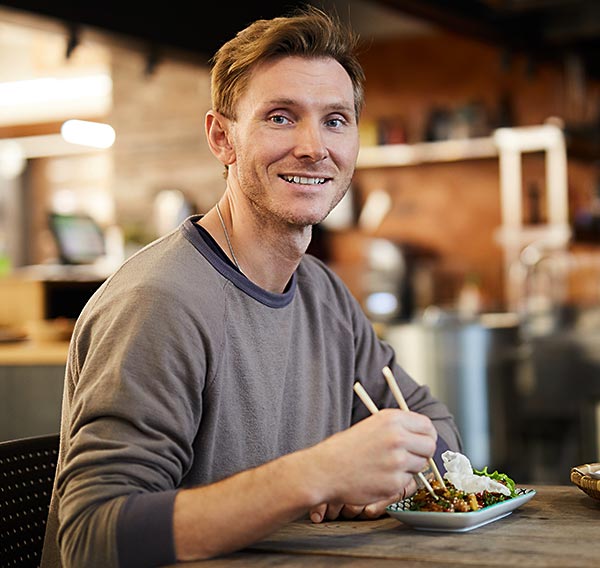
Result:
[
  {"x": 159, "y": 120},
  {"x": 450, "y": 209},
  {"x": 453, "y": 209}
]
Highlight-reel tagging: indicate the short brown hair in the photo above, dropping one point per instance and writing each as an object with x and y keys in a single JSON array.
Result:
[{"x": 307, "y": 32}]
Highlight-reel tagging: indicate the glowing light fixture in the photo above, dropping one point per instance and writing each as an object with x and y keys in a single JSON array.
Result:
[
  {"x": 48, "y": 99},
  {"x": 86, "y": 133},
  {"x": 12, "y": 159},
  {"x": 49, "y": 89},
  {"x": 382, "y": 303}
]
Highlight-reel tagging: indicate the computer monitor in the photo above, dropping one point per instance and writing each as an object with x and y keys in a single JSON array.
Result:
[{"x": 78, "y": 237}]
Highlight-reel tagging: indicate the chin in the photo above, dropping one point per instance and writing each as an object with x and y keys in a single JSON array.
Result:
[
  {"x": 306, "y": 219},
  {"x": 305, "y": 216}
]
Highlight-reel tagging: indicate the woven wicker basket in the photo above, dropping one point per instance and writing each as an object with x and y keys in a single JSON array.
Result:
[{"x": 586, "y": 483}]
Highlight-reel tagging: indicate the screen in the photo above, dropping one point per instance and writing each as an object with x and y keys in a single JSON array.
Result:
[{"x": 78, "y": 237}]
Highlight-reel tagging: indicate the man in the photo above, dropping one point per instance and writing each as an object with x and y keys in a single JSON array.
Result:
[{"x": 208, "y": 395}]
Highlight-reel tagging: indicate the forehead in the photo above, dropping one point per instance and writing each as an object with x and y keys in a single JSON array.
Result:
[{"x": 305, "y": 80}]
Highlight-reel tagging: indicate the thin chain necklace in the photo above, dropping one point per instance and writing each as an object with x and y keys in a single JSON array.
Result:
[{"x": 237, "y": 264}]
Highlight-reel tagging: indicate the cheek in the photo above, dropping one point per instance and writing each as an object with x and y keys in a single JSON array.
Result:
[
  {"x": 261, "y": 151},
  {"x": 353, "y": 150},
  {"x": 345, "y": 153}
]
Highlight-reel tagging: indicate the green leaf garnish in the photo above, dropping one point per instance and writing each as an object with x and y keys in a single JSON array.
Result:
[{"x": 501, "y": 477}]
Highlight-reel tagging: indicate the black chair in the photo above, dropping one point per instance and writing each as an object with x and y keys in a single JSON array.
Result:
[{"x": 27, "y": 468}]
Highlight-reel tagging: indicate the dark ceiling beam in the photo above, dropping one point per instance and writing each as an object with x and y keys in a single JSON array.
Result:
[
  {"x": 462, "y": 16},
  {"x": 543, "y": 31},
  {"x": 565, "y": 25},
  {"x": 474, "y": 19},
  {"x": 173, "y": 25}
]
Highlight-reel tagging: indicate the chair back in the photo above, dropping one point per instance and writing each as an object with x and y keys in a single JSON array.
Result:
[{"x": 27, "y": 468}]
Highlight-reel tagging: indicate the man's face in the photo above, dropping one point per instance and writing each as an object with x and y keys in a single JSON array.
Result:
[{"x": 296, "y": 139}]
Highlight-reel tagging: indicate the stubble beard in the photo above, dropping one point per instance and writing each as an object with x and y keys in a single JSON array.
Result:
[{"x": 272, "y": 212}]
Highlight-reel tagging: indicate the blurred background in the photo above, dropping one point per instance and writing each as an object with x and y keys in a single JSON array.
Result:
[{"x": 470, "y": 234}]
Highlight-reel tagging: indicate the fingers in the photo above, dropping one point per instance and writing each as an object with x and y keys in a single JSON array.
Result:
[
  {"x": 399, "y": 441},
  {"x": 409, "y": 431},
  {"x": 375, "y": 510},
  {"x": 352, "y": 511},
  {"x": 410, "y": 488},
  {"x": 331, "y": 512},
  {"x": 318, "y": 513},
  {"x": 372, "y": 511},
  {"x": 370, "y": 462},
  {"x": 325, "y": 511},
  {"x": 415, "y": 423}
]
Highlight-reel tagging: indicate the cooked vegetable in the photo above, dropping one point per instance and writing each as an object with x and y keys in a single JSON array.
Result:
[{"x": 453, "y": 500}]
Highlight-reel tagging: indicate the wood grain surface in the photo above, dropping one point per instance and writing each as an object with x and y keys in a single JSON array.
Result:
[{"x": 557, "y": 528}]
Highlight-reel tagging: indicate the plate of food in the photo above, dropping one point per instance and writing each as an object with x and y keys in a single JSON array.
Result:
[{"x": 470, "y": 499}]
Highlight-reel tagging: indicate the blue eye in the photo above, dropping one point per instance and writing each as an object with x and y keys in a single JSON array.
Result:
[
  {"x": 279, "y": 119},
  {"x": 335, "y": 122}
]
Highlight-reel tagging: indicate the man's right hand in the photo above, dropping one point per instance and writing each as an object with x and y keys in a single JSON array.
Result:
[
  {"x": 372, "y": 463},
  {"x": 350, "y": 473}
]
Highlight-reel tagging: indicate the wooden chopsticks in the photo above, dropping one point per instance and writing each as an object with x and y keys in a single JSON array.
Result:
[
  {"x": 368, "y": 402},
  {"x": 393, "y": 384}
]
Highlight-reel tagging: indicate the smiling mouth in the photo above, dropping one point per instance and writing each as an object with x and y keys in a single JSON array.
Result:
[{"x": 304, "y": 180}]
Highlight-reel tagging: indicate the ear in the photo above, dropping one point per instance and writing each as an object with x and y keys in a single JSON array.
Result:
[{"x": 219, "y": 137}]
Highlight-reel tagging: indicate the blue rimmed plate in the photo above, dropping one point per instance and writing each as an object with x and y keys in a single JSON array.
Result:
[{"x": 457, "y": 522}]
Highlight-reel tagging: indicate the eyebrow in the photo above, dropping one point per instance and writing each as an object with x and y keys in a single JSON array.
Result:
[{"x": 293, "y": 102}]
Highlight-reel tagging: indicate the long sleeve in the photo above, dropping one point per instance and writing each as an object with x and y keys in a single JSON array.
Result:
[{"x": 182, "y": 373}]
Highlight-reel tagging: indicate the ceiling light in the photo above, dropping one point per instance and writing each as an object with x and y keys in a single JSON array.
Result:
[
  {"x": 86, "y": 133},
  {"x": 50, "y": 89},
  {"x": 45, "y": 99}
]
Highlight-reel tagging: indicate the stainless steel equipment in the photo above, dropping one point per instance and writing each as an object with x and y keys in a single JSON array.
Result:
[{"x": 470, "y": 365}]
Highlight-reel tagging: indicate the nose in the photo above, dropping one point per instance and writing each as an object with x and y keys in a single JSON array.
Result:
[{"x": 310, "y": 142}]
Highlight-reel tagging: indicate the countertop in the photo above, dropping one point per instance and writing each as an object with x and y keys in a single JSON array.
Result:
[{"x": 29, "y": 352}]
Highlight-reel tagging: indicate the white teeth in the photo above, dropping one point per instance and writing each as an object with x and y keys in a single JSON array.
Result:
[{"x": 304, "y": 180}]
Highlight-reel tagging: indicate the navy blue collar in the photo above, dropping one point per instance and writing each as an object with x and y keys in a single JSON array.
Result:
[{"x": 201, "y": 239}]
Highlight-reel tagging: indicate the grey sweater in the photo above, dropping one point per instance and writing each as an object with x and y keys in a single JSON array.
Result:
[{"x": 182, "y": 372}]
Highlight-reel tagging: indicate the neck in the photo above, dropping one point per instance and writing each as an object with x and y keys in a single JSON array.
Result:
[
  {"x": 226, "y": 234},
  {"x": 266, "y": 254}
]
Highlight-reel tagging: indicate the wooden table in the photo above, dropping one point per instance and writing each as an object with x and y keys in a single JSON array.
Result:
[{"x": 559, "y": 527}]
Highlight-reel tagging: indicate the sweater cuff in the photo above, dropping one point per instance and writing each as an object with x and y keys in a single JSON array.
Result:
[{"x": 145, "y": 530}]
